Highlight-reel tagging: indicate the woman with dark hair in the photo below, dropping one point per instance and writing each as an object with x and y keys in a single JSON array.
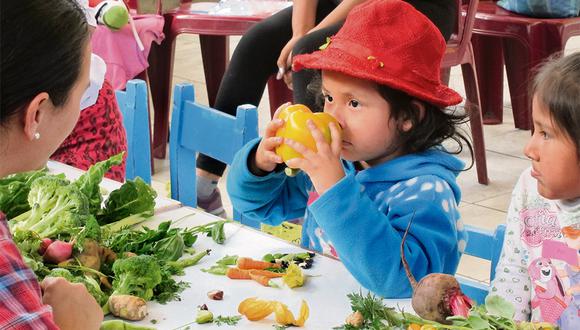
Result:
[
  {"x": 268, "y": 48},
  {"x": 45, "y": 59}
]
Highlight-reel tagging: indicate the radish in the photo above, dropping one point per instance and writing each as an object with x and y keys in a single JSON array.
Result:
[
  {"x": 44, "y": 243},
  {"x": 437, "y": 296},
  {"x": 58, "y": 251}
]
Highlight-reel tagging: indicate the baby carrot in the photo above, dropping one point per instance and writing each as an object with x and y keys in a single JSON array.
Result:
[
  {"x": 249, "y": 263},
  {"x": 266, "y": 273},
  {"x": 244, "y": 274},
  {"x": 262, "y": 279},
  {"x": 238, "y": 274}
]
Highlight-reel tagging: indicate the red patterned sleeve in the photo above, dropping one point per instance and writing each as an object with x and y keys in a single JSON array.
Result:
[{"x": 21, "y": 306}]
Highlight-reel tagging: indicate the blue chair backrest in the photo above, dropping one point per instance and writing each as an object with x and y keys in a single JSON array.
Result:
[
  {"x": 133, "y": 103},
  {"x": 196, "y": 128},
  {"x": 484, "y": 244}
]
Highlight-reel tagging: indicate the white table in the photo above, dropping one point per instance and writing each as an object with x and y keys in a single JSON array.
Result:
[
  {"x": 325, "y": 293},
  {"x": 72, "y": 173}
]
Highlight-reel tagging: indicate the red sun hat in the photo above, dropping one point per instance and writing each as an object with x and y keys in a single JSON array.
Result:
[{"x": 391, "y": 43}]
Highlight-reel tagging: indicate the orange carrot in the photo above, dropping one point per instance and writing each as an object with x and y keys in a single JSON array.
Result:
[
  {"x": 244, "y": 274},
  {"x": 262, "y": 279},
  {"x": 266, "y": 273},
  {"x": 249, "y": 263},
  {"x": 238, "y": 274}
]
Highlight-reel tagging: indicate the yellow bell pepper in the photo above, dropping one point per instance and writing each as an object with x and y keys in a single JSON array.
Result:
[{"x": 295, "y": 118}]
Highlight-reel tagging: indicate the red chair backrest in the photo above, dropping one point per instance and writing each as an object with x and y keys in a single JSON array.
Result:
[{"x": 465, "y": 22}]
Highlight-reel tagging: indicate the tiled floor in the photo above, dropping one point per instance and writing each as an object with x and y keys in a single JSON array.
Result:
[{"x": 483, "y": 206}]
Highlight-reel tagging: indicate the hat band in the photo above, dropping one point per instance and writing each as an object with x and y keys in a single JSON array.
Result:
[{"x": 352, "y": 48}]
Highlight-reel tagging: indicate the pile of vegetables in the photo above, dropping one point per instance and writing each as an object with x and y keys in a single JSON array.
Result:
[
  {"x": 285, "y": 266},
  {"x": 64, "y": 229},
  {"x": 369, "y": 312}
]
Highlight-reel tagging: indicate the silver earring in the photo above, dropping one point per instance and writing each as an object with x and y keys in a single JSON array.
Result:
[{"x": 37, "y": 136}]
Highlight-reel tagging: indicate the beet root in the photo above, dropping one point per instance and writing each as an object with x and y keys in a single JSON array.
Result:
[{"x": 437, "y": 296}]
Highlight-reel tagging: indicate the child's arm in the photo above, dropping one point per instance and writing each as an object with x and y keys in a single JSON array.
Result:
[
  {"x": 270, "y": 199},
  {"x": 367, "y": 236},
  {"x": 512, "y": 280}
]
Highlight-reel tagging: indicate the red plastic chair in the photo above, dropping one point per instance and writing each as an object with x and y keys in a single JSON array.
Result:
[
  {"x": 460, "y": 52},
  {"x": 525, "y": 43},
  {"x": 213, "y": 34}
]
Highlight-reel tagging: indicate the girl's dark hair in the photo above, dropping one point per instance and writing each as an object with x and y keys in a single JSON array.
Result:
[
  {"x": 42, "y": 46},
  {"x": 557, "y": 86},
  {"x": 436, "y": 126}
]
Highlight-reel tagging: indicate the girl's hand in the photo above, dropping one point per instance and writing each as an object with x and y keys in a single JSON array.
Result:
[
  {"x": 266, "y": 158},
  {"x": 323, "y": 166}
]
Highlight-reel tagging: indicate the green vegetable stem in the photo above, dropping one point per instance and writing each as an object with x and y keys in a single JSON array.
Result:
[
  {"x": 122, "y": 325},
  {"x": 176, "y": 267}
]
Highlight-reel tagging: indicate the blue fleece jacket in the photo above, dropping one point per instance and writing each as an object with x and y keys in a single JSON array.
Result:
[{"x": 363, "y": 216}]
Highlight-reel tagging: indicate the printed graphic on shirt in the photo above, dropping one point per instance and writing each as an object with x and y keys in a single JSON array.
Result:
[
  {"x": 555, "y": 277},
  {"x": 548, "y": 289},
  {"x": 538, "y": 225}
]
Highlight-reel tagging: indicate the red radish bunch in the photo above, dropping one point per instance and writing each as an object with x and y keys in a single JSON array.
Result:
[
  {"x": 44, "y": 243},
  {"x": 55, "y": 251},
  {"x": 437, "y": 296}
]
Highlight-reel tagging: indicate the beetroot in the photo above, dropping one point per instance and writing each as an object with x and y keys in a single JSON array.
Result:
[
  {"x": 437, "y": 296},
  {"x": 58, "y": 251},
  {"x": 44, "y": 243}
]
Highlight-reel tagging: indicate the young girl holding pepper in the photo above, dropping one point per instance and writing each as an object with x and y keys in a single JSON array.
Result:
[
  {"x": 384, "y": 168},
  {"x": 539, "y": 269}
]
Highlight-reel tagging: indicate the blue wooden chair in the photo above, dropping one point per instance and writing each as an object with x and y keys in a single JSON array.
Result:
[
  {"x": 196, "y": 128},
  {"x": 484, "y": 244},
  {"x": 133, "y": 104}
]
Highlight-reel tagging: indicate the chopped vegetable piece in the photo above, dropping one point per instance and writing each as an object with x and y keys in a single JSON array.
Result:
[
  {"x": 204, "y": 316},
  {"x": 294, "y": 276},
  {"x": 215, "y": 295}
]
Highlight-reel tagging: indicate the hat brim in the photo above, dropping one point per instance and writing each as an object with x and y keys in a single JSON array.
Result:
[{"x": 332, "y": 59}]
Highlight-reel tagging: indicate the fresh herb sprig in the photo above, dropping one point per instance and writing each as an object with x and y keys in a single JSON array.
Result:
[{"x": 227, "y": 320}]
